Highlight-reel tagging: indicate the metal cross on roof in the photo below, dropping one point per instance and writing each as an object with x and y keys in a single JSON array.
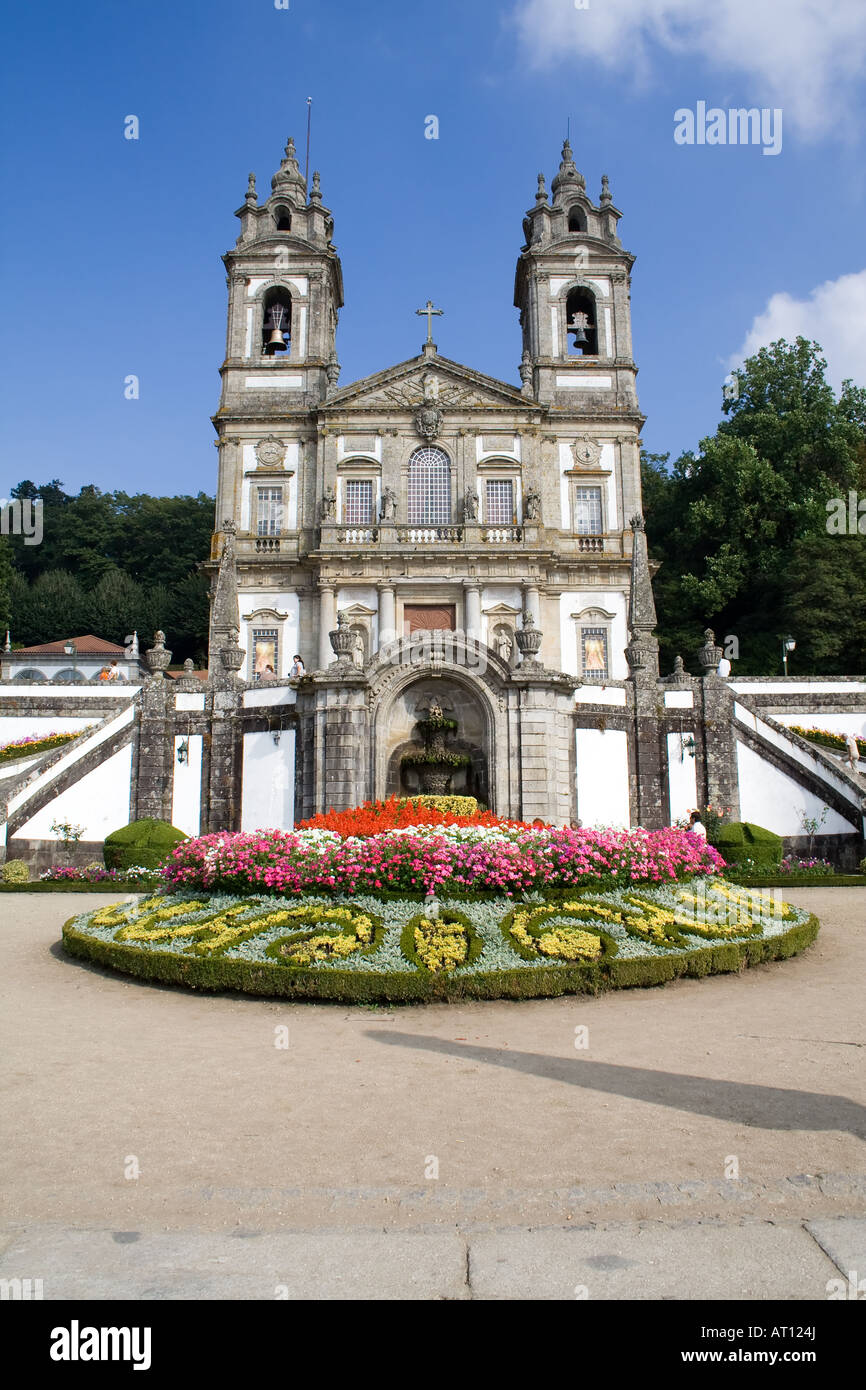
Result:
[{"x": 430, "y": 311}]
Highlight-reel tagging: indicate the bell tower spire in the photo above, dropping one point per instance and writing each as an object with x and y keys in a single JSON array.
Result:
[
  {"x": 285, "y": 291},
  {"x": 572, "y": 290}
]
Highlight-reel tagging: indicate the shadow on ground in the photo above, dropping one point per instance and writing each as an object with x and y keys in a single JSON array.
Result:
[{"x": 763, "y": 1107}]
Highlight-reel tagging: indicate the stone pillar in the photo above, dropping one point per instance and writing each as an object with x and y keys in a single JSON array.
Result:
[
  {"x": 387, "y": 614},
  {"x": 327, "y": 623},
  {"x": 472, "y": 593},
  {"x": 154, "y": 764}
]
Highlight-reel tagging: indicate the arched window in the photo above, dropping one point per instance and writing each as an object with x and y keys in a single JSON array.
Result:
[
  {"x": 29, "y": 675},
  {"x": 576, "y": 220},
  {"x": 429, "y": 488},
  {"x": 582, "y": 323},
  {"x": 70, "y": 675},
  {"x": 276, "y": 322},
  {"x": 283, "y": 219}
]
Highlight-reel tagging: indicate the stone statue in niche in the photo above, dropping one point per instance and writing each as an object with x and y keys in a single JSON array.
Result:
[
  {"x": 388, "y": 506},
  {"x": 329, "y": 505},
  {"x": 532, "y": 505},
  {"x": 470, "y": 505},
  {"x": 504, "y": 645}
]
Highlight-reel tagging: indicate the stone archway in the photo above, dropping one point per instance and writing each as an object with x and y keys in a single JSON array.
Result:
[{"x": 397, "y": 734}]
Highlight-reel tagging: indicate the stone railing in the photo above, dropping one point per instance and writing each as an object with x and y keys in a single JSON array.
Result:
[
  {"x": 357, "y": 535},
  {"x": 593, "y": 544},
  {"x": 501, "y": 535},
  {"x": 267, "y": 545},
  {"x": 429, "y": 535}
]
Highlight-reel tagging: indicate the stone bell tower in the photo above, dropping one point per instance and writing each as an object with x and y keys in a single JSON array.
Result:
[
  {"x": 572, "y": 290},
  {"x": 285, "y": 293}
]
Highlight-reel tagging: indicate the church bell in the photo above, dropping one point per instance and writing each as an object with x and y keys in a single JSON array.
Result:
[
  {"x": 276, "y": 342},
  {"x": 576, "y": 329}
]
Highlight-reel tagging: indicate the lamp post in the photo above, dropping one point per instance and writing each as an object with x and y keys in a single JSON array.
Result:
[
  {"x": 788, "y": 645},
  {"x": 71, "y": 650}
]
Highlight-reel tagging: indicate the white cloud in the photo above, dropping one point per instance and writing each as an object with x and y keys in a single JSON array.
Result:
[
  {"x": 802, "y": 55},
  {"x": 834, "y": 315}
]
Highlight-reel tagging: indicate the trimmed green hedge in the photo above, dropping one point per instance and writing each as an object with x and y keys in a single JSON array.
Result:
[
  {"x": 143, "y": 843},
  {"x": 743, "y": 840},
  {"x": 116, "y": 885},
  {"x": 420, "y": 986},
  {"x": 799, "y": 880}
]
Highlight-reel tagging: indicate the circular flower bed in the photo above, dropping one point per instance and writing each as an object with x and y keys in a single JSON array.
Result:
[{"x": 368, "y": 947}]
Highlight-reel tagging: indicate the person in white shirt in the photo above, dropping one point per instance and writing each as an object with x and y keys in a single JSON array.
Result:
[{"x": 696, "y": 825}]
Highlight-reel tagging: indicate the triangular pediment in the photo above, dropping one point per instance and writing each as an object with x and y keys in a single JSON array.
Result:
[{"x": 433, "y": 381}]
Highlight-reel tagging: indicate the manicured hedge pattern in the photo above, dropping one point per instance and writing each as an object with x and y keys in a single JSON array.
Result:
[
  {"x": 419, "y": 986},
  {"x": 206, "y": 944}
]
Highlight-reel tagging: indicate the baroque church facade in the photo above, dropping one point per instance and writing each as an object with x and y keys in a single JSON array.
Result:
[
  {"x": 461, "y": 566},
  {"x": 430, "y": 533}
]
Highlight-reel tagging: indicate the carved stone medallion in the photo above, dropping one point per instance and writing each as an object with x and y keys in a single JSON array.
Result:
[
  {"x": 428, "y": 422},
  {"x": 270, "y": 452}
]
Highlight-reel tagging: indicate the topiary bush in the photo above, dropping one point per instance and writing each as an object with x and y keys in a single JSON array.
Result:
[
  {"x": 15, "y": 871},
  {"x": 741, "y": 841},
  {"x": 143, "y": 843}
]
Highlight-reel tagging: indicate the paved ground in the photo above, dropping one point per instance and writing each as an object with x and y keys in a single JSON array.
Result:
[{"x": 707, "y": 1143}]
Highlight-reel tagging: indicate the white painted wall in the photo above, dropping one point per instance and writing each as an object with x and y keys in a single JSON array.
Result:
[
  {"x": 794, "y": 687},
  {"x": 770, "y": 798},
  {"x": 249, "y": 600},
  {"x": 592, "y": 694},
  {"x": 99, "y": 802},
  {"x": 268, "y": 797},
  {"x": 602, "y": 777},
  {"x": 608, "y": 601},
  {"x": 186, "y": 793},
  {"x": 682, "y": 779}
]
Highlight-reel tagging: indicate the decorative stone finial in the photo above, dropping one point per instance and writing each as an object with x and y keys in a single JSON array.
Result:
[
  {"x": 158, "y": 658},
  {"x": 289, "y": 175},
  {"x": 541, "y": 195},
  {"x": 709, "y": 655},
  {"x": 605, "y": 190},
  {"x": 568, "y": 172},
  {"x": 316, "y": 190},
  {"x": 189, "y": 681},
  {"x": 252, "y": 196},
  {"x": 637, "y": 523}
]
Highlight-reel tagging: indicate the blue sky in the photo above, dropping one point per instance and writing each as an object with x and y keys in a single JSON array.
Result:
[{"x": 111, "y": 248}]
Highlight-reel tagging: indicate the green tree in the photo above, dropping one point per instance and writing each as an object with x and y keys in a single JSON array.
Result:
[
  {"x": 5, "y": 585},
  {"x": 728, "y": 523},
  {"x": 51, "y": 608}
]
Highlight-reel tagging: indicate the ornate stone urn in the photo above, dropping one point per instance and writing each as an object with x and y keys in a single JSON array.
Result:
[
  {"x": 528, "y": 639},
  {"x": 232, "y": 656},
  {"x": 342, "y": 639},
  {"x": 158, "y": 658},
  {"x": 709, "y": 655}
]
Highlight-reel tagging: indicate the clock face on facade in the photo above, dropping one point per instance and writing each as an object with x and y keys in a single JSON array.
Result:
[{"x": 585, "y": 452}]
